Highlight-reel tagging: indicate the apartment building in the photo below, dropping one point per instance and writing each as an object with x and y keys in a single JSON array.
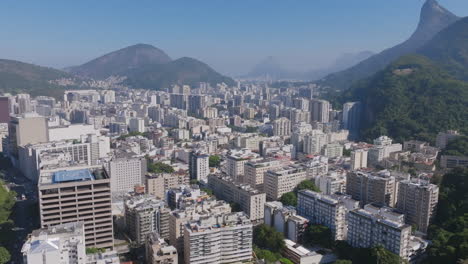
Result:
[
  {"x": 157, "y": 184},
  {"x": 282, "y": 127},
  {"x": 375, "y": 225},
  {"x": 359, "y": 159},
  {"x": 236, "y": 161},
  {"x": 251, "y": 200},
  {"x": 159, "y": 252},
  {"x": 144, "y": 215},
  {"x": 58, "y": 244},
  {"x": 285, "y": 220},
  {"x": 254, "y": 171},
  {"x": 78, "y": 194},
  {"x": 367, "y": 188},
  {"x": 126, "y": 171},
  {"x": 327, "y": 210},
  {"x": 225, "y": 238},
  {"x": 331, "y": 183},
  {"x": 199, "y": 166},
  {"x": 418, "y": 201},
  {"x": 283, "y": 180}
]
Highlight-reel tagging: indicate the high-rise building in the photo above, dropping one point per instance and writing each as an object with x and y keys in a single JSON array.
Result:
[
  {"x": 320, "y": 110},
  {"x": 158, "y": 184},
  {"x": 352, "y": 117},
  {"x": 328, "y": 210},
  {"x": 159, "y": 252},
  {"x": 199, "y": 166},
  {"x": 283, "y": 180},
  {"x": 24, "y": 103},
  {"x": 382, "y": 226},
  {"x": 63, "y": 243},
  {"x": 126, "y": 172},
  {"x": 314, "y": 142},
  {"x": 144, "y": 214},
  {"x": 372, "y": 188},
  {"x": 137, "y": 125},
  {"x": 71, "y": 195},
  {"x": 358, "y": 159},
  {"x": 27, "y": 129},
  {"x": 250, "y": 200},
  {"x": 254, "y": 171},
  {"x": 225, "y": 238},
  {"x": 236, "y": 163},
  {"x": 282, "y": 127},
  {"x": 4, "y": 109},
  {"x": 418, "y": 201}
]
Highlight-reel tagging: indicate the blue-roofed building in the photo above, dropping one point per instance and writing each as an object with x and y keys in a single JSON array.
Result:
[{"x": 72, "y": 194}]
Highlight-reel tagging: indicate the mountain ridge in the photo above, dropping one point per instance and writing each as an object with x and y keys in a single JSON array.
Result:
[{"x": 433, "y": 19}]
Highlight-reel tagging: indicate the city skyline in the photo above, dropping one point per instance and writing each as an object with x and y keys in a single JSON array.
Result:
[{"x": 303, "y": 36}]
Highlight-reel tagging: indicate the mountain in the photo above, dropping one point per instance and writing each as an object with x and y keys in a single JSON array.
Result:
[
  {"x": 433, "y": 19},
  {"x": 348, "y": 60},
  {"x": 120, "y": 61},
  {"x": 269, "y": 69},
  {"x": 419, "y": 95},
  {"x": 181, "y": 71},
  {"x": 16, "y": 77}
]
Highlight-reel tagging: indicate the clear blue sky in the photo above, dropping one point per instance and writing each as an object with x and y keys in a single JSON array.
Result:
[{"x": 231, "y": 36}]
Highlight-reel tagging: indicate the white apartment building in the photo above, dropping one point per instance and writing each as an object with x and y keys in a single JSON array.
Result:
[
  {"x": 236, "y": 161},
  {"x": 327, "y": 210},
  {"x": 332, "y": 150},
  {"x": 282, "y": 127},
  {"x": 199, "y": 166},
  {"x": 60, "y": 244},
  {"x": 359, "y": 159},
  {"x": 374, "y": 226},
  {"x": 331, "y": 183},
  {"x": 125, "y": 173},
  {"x": 225, "y": 238},
  {"x": 137, "y": 125},
  {"x": 283, "y": 180},
  {"x": 380, "y": 187}
]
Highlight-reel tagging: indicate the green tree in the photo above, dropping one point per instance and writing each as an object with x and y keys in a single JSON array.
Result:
[
  {"x": 266, "y": 237},
  {"x": 318, "y": 235},
  {"x": 306, "y": 185},
  {"x": 343, "y": 261},
  {"x": 214, "y": 161},
  {"x": 289, "y": 198},
  {"x": 4, "y": 255},
  {"x": 285, "y": 261},
  {"x": 160, "y": 167}
]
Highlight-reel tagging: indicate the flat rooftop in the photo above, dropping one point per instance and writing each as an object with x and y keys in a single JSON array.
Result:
[{"x": 71, "y": 176}]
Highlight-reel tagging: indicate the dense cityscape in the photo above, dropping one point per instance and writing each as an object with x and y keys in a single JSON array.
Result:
[{"x": 166, "y": 165}]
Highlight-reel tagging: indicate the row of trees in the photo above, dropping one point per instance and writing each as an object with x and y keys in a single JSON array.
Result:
[{"x": 7, "y": 201}]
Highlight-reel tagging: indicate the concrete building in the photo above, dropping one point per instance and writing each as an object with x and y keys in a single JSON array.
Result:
[
  {"x": 125, "y": 173},
  {"x": 367, "y": 188},
  {"x": 58, "y": 244},
  {"x": 226, "y": 238},
  {"x": 144, "y": 215},
  {"x": 71, "y": 132},
  {"x": 254, "y": 171},
  {"x": 70, "y": 195},
  {"x": 199, "y": 166},
  {"x": 283, "y": 180},
  {"x": 319, "y": 110},
  {"x": 158, "y": 184},
  {"x": 137, "y": 125},
  {"x": 236, "y": 161},
  {"x": 4, "y": 109},
  {"x": 376, "y": 225},
  {"x": 352, "y": 117},
  {"x": 359, "y": 159},
  {"x": 285, "y": 220},
  {"x": 443, "y": 138},
  {"x": 159, "y": 252},
  {"x": 298, "y": 254},
  {"x": 251, "y": 200},
  {"x": 328, "y": 210},
  {"x": 418, "y": 201},
  {"x": 26, "y": 129},
  {"x": 331, "y": 183},
  {"x": 282, "y": 127},
  {"x": 332, "y": 150},
  {"x": 451, "y": 162},
  {"x": 314, "y": 142}
]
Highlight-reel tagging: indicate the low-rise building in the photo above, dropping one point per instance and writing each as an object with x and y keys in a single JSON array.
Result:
[{"x": 159, "y": 252}]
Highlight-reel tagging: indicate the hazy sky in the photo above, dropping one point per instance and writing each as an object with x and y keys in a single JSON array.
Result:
[{"x": 231, "y": 36}]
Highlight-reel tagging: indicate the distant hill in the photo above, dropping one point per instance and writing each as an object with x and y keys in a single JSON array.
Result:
[
  {"x": 419, "y": 95},
  {"x": 181, "y": 71},
  {"x": 120, "y": 61},
  {"x": 17, "y": 77},
  {"x": 433, "y": 19},
  {"x": 269, "y": 69},
  {"x": 148, "y": 67}
]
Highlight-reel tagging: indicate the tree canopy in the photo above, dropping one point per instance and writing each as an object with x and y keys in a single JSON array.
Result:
[
  {"x": 159, "y": 167},
  {"x": 267, "y": 237},
  {"x": 214, "y": 161}
]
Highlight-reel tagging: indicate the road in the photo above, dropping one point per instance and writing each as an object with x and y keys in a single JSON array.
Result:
[{"x": 25, "y": 213}]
